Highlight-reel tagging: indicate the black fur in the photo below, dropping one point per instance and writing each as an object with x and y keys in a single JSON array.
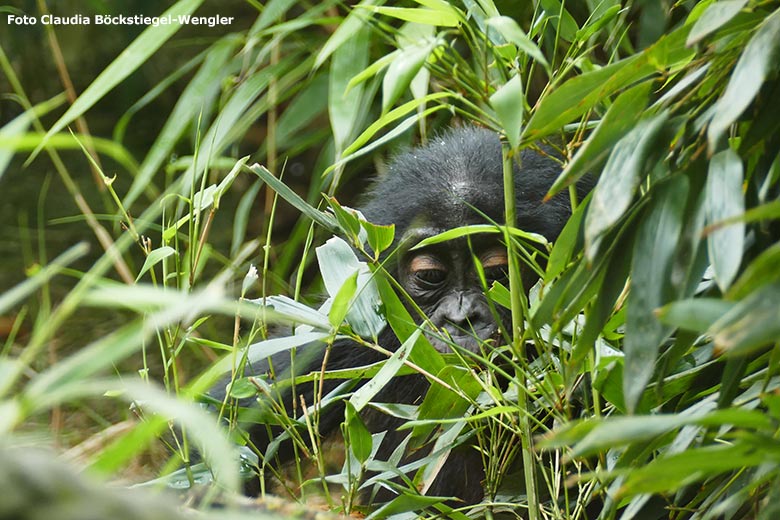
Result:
[
  {"x": 420, "y": 183},
  {"x": 434, "y": 188}
]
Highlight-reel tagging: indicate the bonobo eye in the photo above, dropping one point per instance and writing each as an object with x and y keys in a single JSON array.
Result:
[
  {"x": 432, "y": 277},
  {"x": 495, "y": 265},
  {"x": 427, "y": 271}
]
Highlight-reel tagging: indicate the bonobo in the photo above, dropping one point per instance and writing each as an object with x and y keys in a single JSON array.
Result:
[{"x": 455, "y": 180}]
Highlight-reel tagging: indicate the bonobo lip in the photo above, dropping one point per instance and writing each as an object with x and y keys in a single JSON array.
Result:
[{"x": 470, "y": 341}]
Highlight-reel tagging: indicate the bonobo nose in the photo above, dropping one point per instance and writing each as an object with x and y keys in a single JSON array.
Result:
[
  {"x": 463, "y": 311},
  {"x": 465, "y": 320}
]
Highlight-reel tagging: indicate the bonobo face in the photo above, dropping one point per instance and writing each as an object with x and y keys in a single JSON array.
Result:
[
  {"x": 443, "y": 280},
  {"x": 456, "y": 180}
]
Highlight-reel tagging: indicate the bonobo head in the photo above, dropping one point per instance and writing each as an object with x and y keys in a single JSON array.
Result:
[{"x": 457, "y": 180}]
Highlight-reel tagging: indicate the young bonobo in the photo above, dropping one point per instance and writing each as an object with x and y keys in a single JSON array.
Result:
[{"x": 455, "y": 180}]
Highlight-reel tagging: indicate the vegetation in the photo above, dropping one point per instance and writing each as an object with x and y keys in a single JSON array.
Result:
[{"x": 655, "y": 386}]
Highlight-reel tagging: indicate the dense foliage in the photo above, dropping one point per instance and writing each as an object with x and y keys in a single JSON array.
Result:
[{"x": 654, "y": 385}]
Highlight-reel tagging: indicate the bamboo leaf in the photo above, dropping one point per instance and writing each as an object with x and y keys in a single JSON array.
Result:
[
  {"x": 365, "y": 393},
  {"x": 724, "y": 199},
  {"x": 344, "y": 109},
  {"x": 618, "y": 181},
  {"x": 713, "y": 18},
  {"x": 404, "y": 68},
  {"x": 512, "y": 33},
  {"x": 508, "y": 103},
  {"x": 352, "y": 24},
  {"x": 654, "y": 253},
  {"x": 359, "y": 437},
  {"x": 437, "y": 17},
  {"x": 694, "y": 314},
  {"x": 338, "y": 263},
  {"x": 188, "y": 106},
  {"x": 136, "y": 54},
  {"x": 751, "y": 324},
  {"x": 758, "y": 61},
  {"x": 619, "y": 119},
  {"x": 154, "y": 258}
]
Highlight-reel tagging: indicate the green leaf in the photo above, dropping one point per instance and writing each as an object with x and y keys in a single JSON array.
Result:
[
  {"x": 512, "y": 33},
  {"x": 347, "y": 219},
  {"x": 770, "y": 508},
  {"x": 349, "y": 59},
  {"x": 404, "y": 503},
  {"x": 724, "y": 199},
  {"x": 154, "y": 258},
  {"x": 379, "y": 237},
  {"x": 188, "y": 105},
  {"x": 372, "y": 69},
  {"x": 761, "y": 271},
  {"x": 342, "y": 299},
  {"x": 267, "y": 348},
  {"x": 11, "y": 297},
  {"x": 751, "y": 324},
  {"x": 243, "y": 388},
  {"x": 323, "y": 219},
  {"x": 337, "y": 263},
  {"x": 295, "y": 311},
  {"x": 359, "y": 438},
  {"x": 508, "y": 103},
  {"x": 424, "y": 355},
  {"x": 599, "y": 17},
  {"x": 580, "y": 94},
  {"x": 135, "y": 55},
  {"x": 654, "y": 253},
  {"x": 549, "y": 305},
  {"x": 476, "y": 229},
  {"x": 594, "y": 435},
  {"x": 307, "y": 106},
  {"x": 561, "y": 19},
  {"x": 389, "y": 369},
  {"x": 272, "y": 11},
  {"x": 240, "y": 111},
  {"x": 624, "y": 170},
  {"x": 19, "y": 125},
  {"x": 499, "y": 294},
  {"x": 29, "y": 141},
  {"x": 202, "y": 200},
  {"x": 404, "y": 68},
  {"x": 768, "y": 211},
  {"x": 438, "y": 5},
  {"x": 490, "y": 412},
  {"x": 442, "y": 403},
  {"x": 675, "y": 471},
  {"x": 402, "y": 127},
  {"x": 437, "y": 17},
  {"x": 616, "y": 123},
  {"x": 602, "y": 307},
  {"x": 346, "y": 30},
  {"x": 694, "y": 314},
  {"x": 758, "y": 61},
  {"x": 393, "y": 115},
  {"x": 564, "y": 245},
  {"x": 716, "y": 15},
  {"x": 244, "y": 212}
]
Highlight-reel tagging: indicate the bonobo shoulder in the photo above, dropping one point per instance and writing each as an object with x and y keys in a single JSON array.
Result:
[{"x": 457, "y": 179}]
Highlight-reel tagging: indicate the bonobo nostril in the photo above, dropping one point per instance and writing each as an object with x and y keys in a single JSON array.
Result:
[{"x": 464, "y": 312}]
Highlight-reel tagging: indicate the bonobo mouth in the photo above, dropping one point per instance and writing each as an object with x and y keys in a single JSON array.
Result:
[{"x": 471, "y": 341}]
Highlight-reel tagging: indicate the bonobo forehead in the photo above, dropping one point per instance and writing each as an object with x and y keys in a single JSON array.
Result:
[{"x": 457, "y": 180}]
